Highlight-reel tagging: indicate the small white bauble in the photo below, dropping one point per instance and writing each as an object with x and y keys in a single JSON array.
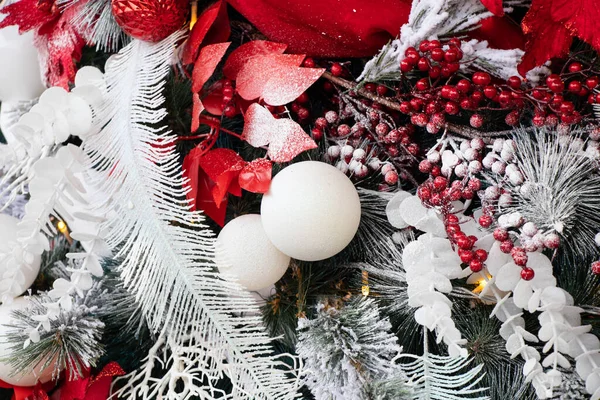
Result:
[
  {"x": 311, "y": 211},
  {"x": 20, "y": 77},
  {"x": 245, "y": 254},
  {"x": 8, "y": 233},
  {"x": 32, "y": 377}
]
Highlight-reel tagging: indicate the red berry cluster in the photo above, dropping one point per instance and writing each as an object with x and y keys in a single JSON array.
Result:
[
  {"x": 474, "y": 258},
  {"x": 438, "y": 191}
]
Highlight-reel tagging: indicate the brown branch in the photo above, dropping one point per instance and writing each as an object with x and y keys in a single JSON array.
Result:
[{"x": 460, "y": 130}]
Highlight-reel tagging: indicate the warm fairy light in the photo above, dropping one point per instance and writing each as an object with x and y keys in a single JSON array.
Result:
[
  {"x": 61, "y": 226},
  {"x": 365, "y": 281},
  {"x": 194, "y": 13},
  {"x": 482, "y": 283}
]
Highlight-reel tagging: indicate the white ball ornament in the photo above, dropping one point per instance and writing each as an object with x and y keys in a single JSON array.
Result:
[
  {"x": 28, "y": 271},
  {"x": 311, "y": 211},
  {"x": 245, "y": 253},
  {"x": 29, "y": 378},
  {"x": 20, "y": 77}
]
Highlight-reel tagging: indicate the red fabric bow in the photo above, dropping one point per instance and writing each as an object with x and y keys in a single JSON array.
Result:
[{"x": 38, "y": 392}]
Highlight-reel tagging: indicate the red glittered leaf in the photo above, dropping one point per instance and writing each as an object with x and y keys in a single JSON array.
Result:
[
  {"x": 255, "y": 177},
  {"x": 212, "y": 25},
  {"x": 223, "y": 167},
  {"x": 213, "y": 101},
  {"x": 285, "y": 137},
  {"x": 286, "y": 84},
  {"x": 205, "y": 201},
  {"x": 27, "y": 15},
  {"x": 197, "y": 108},
  {"x": 545, "y": 38},
  {"x": 242, "y": 54},
  {"x": 205, "y": 65},
  {"x": 255, "y": 74},
  {"x": 494, "y": 6},
  {"x": 64, "y": 47}
]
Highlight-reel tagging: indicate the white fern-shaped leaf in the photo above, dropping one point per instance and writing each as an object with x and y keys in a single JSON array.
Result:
[
  {"x": 434, "y": 377},
  {"x": 167, "y": 252}
]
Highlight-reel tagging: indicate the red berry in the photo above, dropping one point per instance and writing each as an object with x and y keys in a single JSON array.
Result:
[
  {"x": 575, "y": 67},
  {"x": 425, "y": 166},
  {"x": 422, "y": 84},
  {"x": 437, "y": 54},
  {"x": 336, "y": 69},
  {"x": 451, "y": 108},
  {"x": 381, "y": 90},
  {"x": 309, "y": 63},
  {"x": 527, "y": 274},
  {"x": 452, "y": 55},
  {"x": 575, "y": 86},
  {"x": 465, "y": 255},
  {"x": 321, "y": 123},
  {"x": 452, "y": 219},
  {"x": 303, "y": 113},
  {"x": 424, "y": 193},
  {"x": 463, "y": 86},
  {"x": 591, "y": 82},
  {"x": 504, "y": 97},
  {"x": 514, "y": 82},
  {"x": 466, "y": 104},
  {"x": 440, "y": 183},
  {"x": 552, "y": 241},
  {"x": 555, "y": 83},
  {"x": 453, "y": 93},
  {"x": 405, "y": 107},
  {"x": 481, "y": 78},
  {"x": 481, "y": 254},
  {"x": 476, "y": 265},
  {"x": 506, "y": 246},
  {"x": 501, "y": 235},
  {"x": 433, "y": 107},
  {"x": 476, "y": 121},
  {"x": 416, "y": 104},
  {"x": 490, "y": 92},
  {"x": 419, "y": 119},
  {"x": 303, "y": 98},
  {"x": 567, "y": 107},
  {"x": 596, "y": 267},
  {"x": 370, "y": 87},
  {"x": 423, "y": 64},
  {"x": 453, "y": 229},
  {"x": 405, "y": 66},
  {"x": 424, "y": 46},
  {"x": 486, "y": 220},
  {"x": 413, "y": 149},
  {"x": 317, "y": 134},
  {"x": 433, "y": 44},
  {"x": 464, "y": 243},
  {"x": 474, "y": 184},
  {"x": 467, "y": 194},
  {"x": 539, "y": 120},
  {"x": 455, "y": 42},
  {"x": 391, "y": 178},
  {"x": 435, "y": 72},
  {"x": 477, "y": 96}
]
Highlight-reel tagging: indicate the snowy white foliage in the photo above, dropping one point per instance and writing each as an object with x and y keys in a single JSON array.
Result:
[
  {"x": 433, "y": 377},
  {"x": 211, "y": 326},
  {"x": 348, "y": 351},
  {"x": 429, "y": 19}
]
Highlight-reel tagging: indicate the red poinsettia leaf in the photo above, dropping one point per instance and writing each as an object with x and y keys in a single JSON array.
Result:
[
  {"x": 205, "y": 65},
  {"x": 27, "y": 15},
  {"x": 223, "y": 167},
  {"x": 200, "y": 30},
  {"x": 285, "y": 137},
  {"x": 255, "y": 177},
  {"x": 242, "y": 54},
  {"x": 580, "y": 17},
  {"x": 288, "y": 83},
  {"x": 255, "y": 74},
  {"x": 220, "y": 29},
  {"x": 545, "y": 38},
  {"x": 197, "y": 108},
  {"x": 494, "y": 6},
  {"x": 64, "y": 48}
]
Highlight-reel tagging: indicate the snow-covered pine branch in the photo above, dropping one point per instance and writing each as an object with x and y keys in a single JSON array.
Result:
[
  {"x": 211, "y": 326},
  {"x": 430, "y": 19}
]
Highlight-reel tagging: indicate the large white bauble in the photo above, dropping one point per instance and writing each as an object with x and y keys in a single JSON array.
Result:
[
  {"x": 311, "y": 211},
  {"x": 20, "y": 77},
  {"x": 32, "y": 377},
  {"x": 245, "y": 253},
  {"x": 8, "y": 232}
]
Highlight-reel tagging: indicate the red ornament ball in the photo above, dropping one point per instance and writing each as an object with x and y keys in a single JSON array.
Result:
[
  {"x": 596, "y": 267},
  {"x": 150, "y": 20}
]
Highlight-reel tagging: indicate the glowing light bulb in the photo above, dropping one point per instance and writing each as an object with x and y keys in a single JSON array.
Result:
[{"x": 61, "y": 226}]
